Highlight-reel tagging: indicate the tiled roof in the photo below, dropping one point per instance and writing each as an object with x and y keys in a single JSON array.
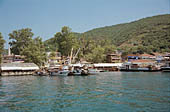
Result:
[
  {"x": 157, "y": 54},
  {"x": 142, "y": 61},
  {"x": 132, "y": 55},
  {"x": 146, "y": 55}
]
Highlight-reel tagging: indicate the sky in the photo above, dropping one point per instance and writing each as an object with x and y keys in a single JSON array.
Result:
[{"x": 46, "y": 17}]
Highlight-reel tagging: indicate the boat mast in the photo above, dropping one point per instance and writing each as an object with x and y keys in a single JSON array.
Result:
[
  {"x": 71, "y": 55},
  {"x": 76, "y": 54}
]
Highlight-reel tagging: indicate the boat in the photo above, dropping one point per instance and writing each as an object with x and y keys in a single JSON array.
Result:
[
  {"x": 64, "y": 72},
  {"x": 78, "y": 72},
  {"x": 94, "y": 71},
  {"x": 165, "y": 69},
  {"x": 41, "y": 73}
]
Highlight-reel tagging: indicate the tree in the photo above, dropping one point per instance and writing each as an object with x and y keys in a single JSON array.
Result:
[
  {"x": 2, "y": 41},
  {"x": 97, "y": 55},
  {"x": 52, "y": 55},
  {"x": 35, "y": 52},
  {"x": 51, "y": 45},
  {"x": 20, "y": 39},
  {"x": 23, "y": 44},
  {"x": 66, "y": 41}
]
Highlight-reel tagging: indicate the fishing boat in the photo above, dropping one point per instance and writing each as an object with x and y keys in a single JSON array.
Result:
[
  {"x": 78, "y": 72},
  {"x": 94, "y": 71},
  {"x": 165, "y": 69},
  {"x": 64, "y": 72}
]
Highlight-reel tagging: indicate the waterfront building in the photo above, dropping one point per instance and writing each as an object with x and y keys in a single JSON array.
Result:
[
  {"x": 114, "y": 58},
  {"x": 143, "y": 63},
  {"x": 108, "y": 66},
  {"x": 166, "y": 66},
  {"x": 131, "y": 57},
  {"x": 140, "y": 65},
  {"x": 147, "y": 56},
  {"x": 13, "y": 59},
  {"x": 15, "y": 69},
  {"x": 167, "y": 59},
  {"x": 159, "y": 57}
]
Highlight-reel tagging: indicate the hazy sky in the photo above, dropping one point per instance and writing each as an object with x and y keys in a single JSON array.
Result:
[{"x": 46, "y": 17}]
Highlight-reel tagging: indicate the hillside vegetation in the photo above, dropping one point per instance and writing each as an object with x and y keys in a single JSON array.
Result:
[{"x": 151, "y": 34}]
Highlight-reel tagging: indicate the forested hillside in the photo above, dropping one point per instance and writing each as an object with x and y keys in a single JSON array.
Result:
[{"x": 151, "y": 34}]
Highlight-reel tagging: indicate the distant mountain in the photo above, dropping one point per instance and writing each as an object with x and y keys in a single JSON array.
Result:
[{"x": 148, "y": 31}]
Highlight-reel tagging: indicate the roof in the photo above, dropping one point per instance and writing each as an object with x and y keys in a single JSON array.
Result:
[
  {"x": 157, "y": 54},
  {"x": 146, "y": 55},
  {"x": 132, "y": 55},
  {"x": 107, "y": 64},
  {"x": 114, "y": 54},
  {"x": 18, "y": 66},
  {"x": 77, "y": 65},
  {"x": 142, "y": 61},
  {"x": 167, "y": 55},
  {"x": 18, "y": 56}
]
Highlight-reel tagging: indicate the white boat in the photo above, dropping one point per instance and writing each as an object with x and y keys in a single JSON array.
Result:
[
  {"x": 165, "y": 69},
  {"x": 64, "y": 72},
  {"x": 93, "y": 71}
]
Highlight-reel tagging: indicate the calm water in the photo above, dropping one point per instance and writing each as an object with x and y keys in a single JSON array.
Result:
[{"x": 107, "y": 92}]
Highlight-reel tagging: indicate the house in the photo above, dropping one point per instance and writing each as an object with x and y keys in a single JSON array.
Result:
[
  {"x": 140, "y": 65},
  {"x": 13, "y": 59},
  {"x": 143, "y": 62},
  {"x": 131, "y": 57},
  {"x": 114, "y": 58},
  {"x": 147, "y": 56},
  {"x": 158, "y": 57},
  {"x": 167, "y": 59}
]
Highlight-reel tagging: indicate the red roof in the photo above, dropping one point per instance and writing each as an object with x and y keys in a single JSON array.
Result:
[
  {"x": 146, "y": 55},
  {"x": 132, "y": 55},
  {"x": 142, "y": 61},
  {"x": 157, "y": 54}
]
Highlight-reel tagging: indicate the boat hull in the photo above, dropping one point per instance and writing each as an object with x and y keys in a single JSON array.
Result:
[
  {"x": 60, "y": 73},
  {"x": 165, "y": 69}
]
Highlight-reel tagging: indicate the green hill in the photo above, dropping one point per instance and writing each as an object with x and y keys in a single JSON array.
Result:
[{"x": 153, "y": 32}]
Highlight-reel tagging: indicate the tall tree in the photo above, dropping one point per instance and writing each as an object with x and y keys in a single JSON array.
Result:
[
  {"x": 66, "y": 41},
  {"x": 35, "y": 52},
  {"x": 23, "y": 44},
  {"x": 2, "y": 41},
  {"x": 20, "y": 39}
]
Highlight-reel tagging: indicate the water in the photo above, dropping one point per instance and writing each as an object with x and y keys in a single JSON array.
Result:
[{"x": 107, "y": 92}]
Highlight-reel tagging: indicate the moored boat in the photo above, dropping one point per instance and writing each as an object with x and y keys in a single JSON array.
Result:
[
  {"x": 64, "y": 72},
  {"x": 78, "y": 72},
  {"x": 94, "y": 71},
  {"x": 165, "y": 69}
]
